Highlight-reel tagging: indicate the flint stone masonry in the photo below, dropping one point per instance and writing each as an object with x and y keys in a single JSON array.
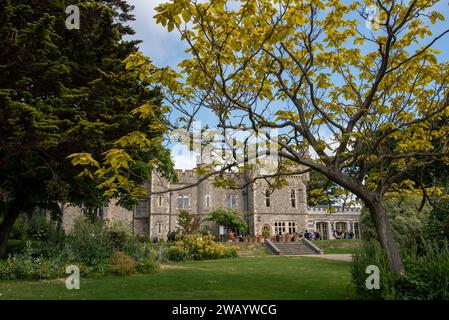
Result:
[{"x": 157, "y": 215}]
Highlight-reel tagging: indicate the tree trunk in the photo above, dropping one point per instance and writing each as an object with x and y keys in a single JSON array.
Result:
[
  {"x": 6, "y": 228},
  {"x": 386, "y": 237}
]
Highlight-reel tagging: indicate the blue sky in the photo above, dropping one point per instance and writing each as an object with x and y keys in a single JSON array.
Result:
[{"x": 166, "y": 49}]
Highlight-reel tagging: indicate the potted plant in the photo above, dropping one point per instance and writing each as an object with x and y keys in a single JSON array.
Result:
[{"x": 259, "y": 238}]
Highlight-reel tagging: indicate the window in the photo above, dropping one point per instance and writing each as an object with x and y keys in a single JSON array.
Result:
[
  {"x": 321, "y": 227},
  {"x": 183, "y": 201},
  {"x": 293, "y": 198},
  {"x": 301, "y": 196},
  {"x": 207, "y": 201},
  {"x": 231, "y": 201},
  {"x": 291, "y": 227},
  {"x": 159, "y": 227},
  {"x": 279, "y": 228},
  {"x": 341, "y": 226},
  {"x": 103, "y": 212},
  {"x": 159, "y": 201},
  {"x": 267, "y": 199},
  {"x": 142, "y": 209}
]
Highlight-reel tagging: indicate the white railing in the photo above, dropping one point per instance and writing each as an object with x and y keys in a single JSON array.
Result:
[{"x": 315, "y": 210}]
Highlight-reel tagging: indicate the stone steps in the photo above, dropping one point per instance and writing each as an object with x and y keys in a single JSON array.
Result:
[{"x": 293, "y": 248}]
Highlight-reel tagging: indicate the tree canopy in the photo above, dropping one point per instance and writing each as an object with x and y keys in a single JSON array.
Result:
[
  {"x": 67, "y": 91},
  {"x": 228, "y": 218},
  {"x": 360, "y": 99}
]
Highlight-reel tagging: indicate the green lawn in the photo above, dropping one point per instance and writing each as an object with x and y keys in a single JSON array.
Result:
[
  {"x": 337, "y": 245},
  {"x": 248, "y": 249},
  {"x": 263, "y": 277}
]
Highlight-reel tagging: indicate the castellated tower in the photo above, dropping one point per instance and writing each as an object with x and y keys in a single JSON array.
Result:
[{"x": 204, "y": 202}]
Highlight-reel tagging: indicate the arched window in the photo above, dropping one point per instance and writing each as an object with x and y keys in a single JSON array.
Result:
[
  {"x": 293, "y": 198},
  {"x": 267, "y": 198}
]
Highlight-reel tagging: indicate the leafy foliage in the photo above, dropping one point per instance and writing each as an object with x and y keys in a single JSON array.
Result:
[
  {"x": 322, "y": 191},
  {"x": 200, "y": 247},
  {"x": 188, "y": 223},
  {"x": 122, "y": 264},
  {"x": 427, "y": 276},
  {"x": 228, "y": 218},
  {"x": 407, "y": 221},
  {"x": 93, "y": 247},
  {"x": 68, "y": 91},
  {"x": 372, "y": 103},
  {"x": 371, "y": 253},
  {"x": 147, "y": 266},
  {"x": 438, "y": 225}
]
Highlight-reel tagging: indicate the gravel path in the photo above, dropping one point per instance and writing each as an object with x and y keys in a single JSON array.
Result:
[{"x": 339, "y": 257}]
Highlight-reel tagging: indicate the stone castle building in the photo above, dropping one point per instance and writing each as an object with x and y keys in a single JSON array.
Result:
[{"x": 280, "y": 211}]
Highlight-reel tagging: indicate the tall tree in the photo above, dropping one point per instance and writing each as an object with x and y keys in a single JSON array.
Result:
[
  {"x": 67, "y": 91},
  {"x": 323, "y": 192},
  {"x": 361, "y": 91}
]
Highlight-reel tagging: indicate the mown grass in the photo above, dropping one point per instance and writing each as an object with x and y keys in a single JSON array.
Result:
[
  {"x": 248, "y": 249},
  {"x": 338, "y": 246},
  {"x": 262, "y": 277}
]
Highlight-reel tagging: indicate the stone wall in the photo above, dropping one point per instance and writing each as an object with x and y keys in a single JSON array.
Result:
[
  {"x": 158, "y": 214},
  {"x": 112, "y": 214}
]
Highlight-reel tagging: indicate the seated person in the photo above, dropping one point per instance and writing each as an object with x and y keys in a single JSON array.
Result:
[{"x": 307, "y": 235}]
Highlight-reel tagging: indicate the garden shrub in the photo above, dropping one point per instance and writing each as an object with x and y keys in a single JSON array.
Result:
[
  {"x": 136, "y": 249},
  {"x": 122, "y": 239},
  {"x": 54, "y": 246},
  {"x": 172, "y": 236},
  {"x": 39, "y": 227},
  {"x": 89, "y": 243},
  {"x": 93, "y": 247},
  {"x": 26, "y": 266},
  {"x": 176, "y": 253},
  {"x": 427, "y": 274},
  {"x": 147, "y": 266},
  {"x": 407, "y": 222},
  {"x": 199, "y": 247},
  {"x": 122, "y": 264},
  {"x": 19, "y": 229},
  {"x": 119, "y": 233},
  {"x": 371, "y": 253}
]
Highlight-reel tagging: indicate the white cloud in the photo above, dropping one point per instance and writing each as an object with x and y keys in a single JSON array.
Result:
[
  {"x": 183, "y": 158},
  {"x": 163, "y": 47}
]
